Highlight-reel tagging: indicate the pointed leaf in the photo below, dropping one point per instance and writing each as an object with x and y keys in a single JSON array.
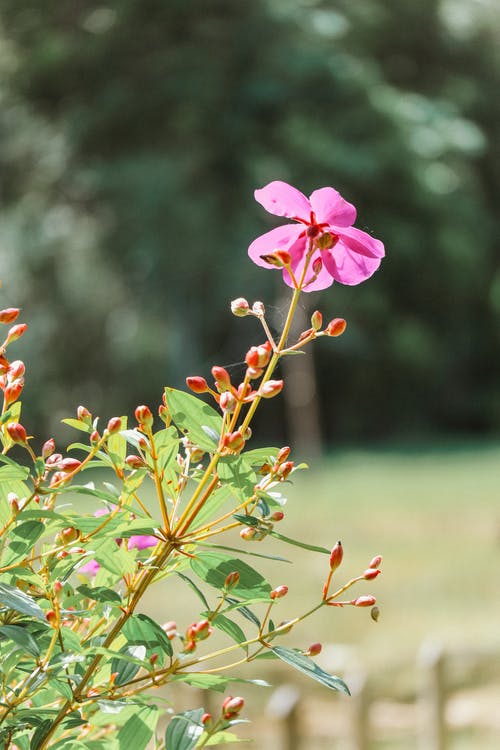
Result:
[
  {"x": 214, "y": 567},
  {"x": 192, "y": 416},
  {"x": 15, "y": 599},
  {"x": 21, "y": 637},
  {"x": 184, "y": 730},
  {"x": 308, "y": 667}
]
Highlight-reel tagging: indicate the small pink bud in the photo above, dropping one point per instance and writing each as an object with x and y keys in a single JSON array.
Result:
[
  {"x": 58, "y": 586},
  {"x": 16, "y": 369},
  {"x": 314, "y": 649},
  {"x": 316, "y": 320},
  {"x": 258, "y": 356},
  {"x": 84, "y": 415},
  {"x": 222, "y": 379},
  {"x": 68, "y": 535},
  {"x": 336, "y": 327},
  {"x": 234, "y": 441},
  {"x": 134, "y": 462},
  {"x": 364, "y": 601},
  {"x": 170, "y": 629},
  {"x": 15, "y": 333},
  {"x": 189, "y": 646},
  {"x": 240, "y": 307},
  {"x": 144, "y": 416},
  {"x": 69, "y": 464},
  {"x": 248, "y": 533},
  {"x": 279, "y": 592},
  {"x": 231, "y": 707},
  {"x": 197, "y": 384},
  {"x": 114, "y": 425},
  {"x": 254, "y": 372},
  {"x": 94, "y": 436},
  {"x": 232, "y": 579},
  {"x": 283, "y": 454},
  {"x": 13, "y": 391},
  {"x": 375, "y": 563},
  {"x": 48, "y": 448},
  {"x": 284, "y": 469},
  {"x": 336, "y": 556},
  {"x": 227, "y": 402},
  {"x": 258, "y": 308},
  {"x": 278, "y": 515},
  {"x": 371, "y": 573},
  {"x": 206, "y": 719},
  {"x": 317, "y": 265},
  {"x": 202, "y": 630},
  {"x": 153, "y": 659},
  {"x": 51, "y": 616},
  {"x": 17, "y": 433},
  {"x": 271, "y": 388},
  {"x": 9, "y": 315},
  {"x": 14, "y": 503}
]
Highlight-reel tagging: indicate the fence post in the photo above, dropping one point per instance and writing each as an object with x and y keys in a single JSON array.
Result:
[
  {"x": 284, "y": 706},
  {"x": 432, "y": 697}
]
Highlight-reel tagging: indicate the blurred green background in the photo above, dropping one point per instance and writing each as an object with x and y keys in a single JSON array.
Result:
[{"x": 132, "y": 137}]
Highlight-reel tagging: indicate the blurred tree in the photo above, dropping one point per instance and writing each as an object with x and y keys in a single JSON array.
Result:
[{"x": 134, "y": 134}]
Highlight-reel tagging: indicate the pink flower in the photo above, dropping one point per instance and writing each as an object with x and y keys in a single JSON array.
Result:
[
  {"x": 141, "y": 541},
  {"x": 340, "y": 252},
  {"x": 90, "y": 568}
]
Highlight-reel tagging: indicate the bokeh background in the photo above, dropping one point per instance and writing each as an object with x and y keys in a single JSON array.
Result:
[{"x": 132, "y": 136}]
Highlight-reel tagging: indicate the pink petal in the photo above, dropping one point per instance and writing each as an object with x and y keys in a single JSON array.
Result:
[
  {"x": 349, "y": 267},
  {"x": 329, "y": 206},
  {"x": 142, "y": 542},
  {"x": 281, "y": 237},
  {"x": 91, "y": 568},
  {"x": 324, "y": 278},
  {"x": 362, "y": 243},
  {"x": 282, "y": 199}
]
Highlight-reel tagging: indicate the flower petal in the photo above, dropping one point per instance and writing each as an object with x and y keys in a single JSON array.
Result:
[
  {"x": 329, "y": 206},
  {"x": 362, "y": 243},
  {"x": 280, "y": 237},
  {"x": 282, "y": 199},
  {"x": 91, "y": 568},
  {"x": 324, "y": 278},
  {"x": 142, "y": 541},
  {"x": 349, "y": 267}
]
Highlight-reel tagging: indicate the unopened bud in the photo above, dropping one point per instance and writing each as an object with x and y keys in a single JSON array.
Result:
[
  {"x": 248, "y": 533},
  {"x": 234, "y": 441},
  {"x": 222, "y": 379},
  {"x": 231, "y": 707},
  {"x": 170, "y": 629},
  {"x": 114, "y": 425},
  {"x": 164, "y": 414},
  {"x": 283, "y": 454},
  {"x": 284, "y": 469},
  {"x": 16, "y": 369},
  {"x": 197, "y": 384},
  {"x": 144, "y": 416},
  {"x": 68, "y": 535},
  {"x": 17, "y": 433},
  {"x": 314, "y": 649},
  {"x": 206, "y": 719},
  {"x": 240, "y": 307},
  {"x": 15, "y": 333},
  {"x": 316, "y": 320},
  {"x": 336, "y": 556},
  {"x": 51, "y": 616},
  {"x": 279, "y": 592},
  {"x": 227, "y": 402},
  {"x": 278, "y": 259},
  {"x": 327, "y": 241},
  {"x": 68, "y": 465},
  {"x": 364, "y": 601},
  {"x": 258, "y": 356},
  {"x": 336, "y": 327},
  {"x": 202, "y": 630},
  {"x": 58, "y": 587},
  {"x": 153, "y": 659},
  {"x": 84, "y": 415},
  {"x": 375, "y": 563},
  {"x": 371, "y": 573},
  {"x": 134, "y": 462},
  {"x": 258, "y": 308},
  {"x": 278, "y": 515},
  {"x": 271, "y": 388},
  {"x": 13, "y": 391},
  {"x": 232, "y": 579},
  {"x": 48, "y": 448},
  {"x": 94, "y": 436},
  {"x": 317, "y": 265},
  {"x": 9, "y": 315}
]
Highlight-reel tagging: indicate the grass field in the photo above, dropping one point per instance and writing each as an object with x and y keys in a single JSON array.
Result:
[{"x": 434, "y": 514}]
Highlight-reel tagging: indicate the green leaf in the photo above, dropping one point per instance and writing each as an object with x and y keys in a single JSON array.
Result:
[
  {"x": 114, "y": 558},
  {"x": 216, "y": 682},
  {"x": 81, "y": 426},
  {"x": 308, "y": 667},
  {"x": 40, "y": 733},
  {"x": 232, "y": 629},
  {"x": 117, "y": 446},
  {"x": 21, "y": 637},
  {"x": 13, "y": 472},
  {"x": 141, "y": 629},
  {"x": 223, "y": 738},
  {"x": 260, "y": 456},
  {"x": 138, "y": 729},
  {"x": 126, "y": 663},
  {"x": 100, "y": 594},
  {"x": 214, "y": 567},
  {"x": 195, "y": 588},
  {"x": 213, "y": 504},
  {"x": 184, "y": 730},
  {"x": 311, "y": 547},
  {"x": 15, "y": 599},
  {"x": 22, "y": 540},
  {"x": 194, "y": 418},
  {"x": 243, "y": 609},
  {"x": 236, "y": 472}
]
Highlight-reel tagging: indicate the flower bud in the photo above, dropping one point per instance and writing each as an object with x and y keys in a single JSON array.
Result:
[
  {"x": 283, "y": 454},
  {"x": 336, "y": 327},
  {"x": 203, "y": 629},
  {"x": 232, "y": 579},
  {"x": 206, "y": 719},
  {"x": 316, "y": 320},
  {"x": 134, "y": 462},
  {"x": 258, "y": 356},
  {"x": 284, "y": 470},
  {"x": 279, "y": 592},
  {"x": 227, "y": 402},
  {"x": 170, "y": 629},
  {"x": 15, "y": 333},
  {"x": 13, "y": 391},
  {"x": 278, "y": 259},
  {"x": 278, "y": 515},
  {"x": 153, "y": 659},
  {"x": 58, "y": 587},
  {"x": 83, "y": 415},
  {"x": 371, "y": 573},
  {"x": 240, "y": 307},
  {"x": 144, "y": 416},
  {"x": 197, "y": 384},
  {"x": 327, "y": 240},
  {"x": 17, "y": 433},
  {"x": 271, "y": 388},
  {"x": 222, "y": 379},
  {"x": 254, "y": 372},
  {"x": 317, "y": 265},
  {"x": 94, "y": 436},
  {"x": 248, "y": 533},
  {"x": 16, "y": 369},
  {"x": 234, "y": 441},
  {"x": 364, "y": 601},
  {"x": 258, "y": 308},
  {"x": 314, "y": 649},
  {"x": 9, "y": 315},
  {"x": 67, "y": 465},
  {"x": 51, "y": 617},
  {"x": 376, "y": 561},
  {"x": 48, "y": 448},
  {"x": 164, "y": 414},
  {"x": 336, "y": 556},
  {"x": 68, "y": 535},
  {"x": 231, "y": 707},
  {"x": 114, "y": 425}
]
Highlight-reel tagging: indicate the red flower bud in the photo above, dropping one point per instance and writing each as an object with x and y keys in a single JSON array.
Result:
[
  {"x": 336, "y": 327},
  {"x": 231, "y": 707},
  {"x": 314, "y": 649},
  {"x": 376, "y": 561},
  {"x": 271, "y": 388},
  {"x": 316, "y": 320},
  {"x": 222, "y": 379},
  {"x": 134, "y": 462},
  {"x": 248, "y": 533},
  {"x": 227, "y": 402},
  {"x": 13, "y": 391},
  {"x": 94, "y": 436},
  {"x": 240, "y": 307},
  {"x": 153, "y": 659},
  {"x": 364, "y": 601},
  {"x": 170, "y": 629},
  {"x": 284, "y": 469},
  {"x": 258, "y": 356},
  {"x": 202, "y": 630},
  {"x": 144, "y": 416},
  {"x": 234, "y": 441},
  {"x": 283, "y": 454},
  {"x": 58, "y": 586},
  {"x": 114, "y": 425},
  {"x": 83, "y": 414},
  {"x": 317, "y": 265},
  {"x": 48, "y": 448},
  {"x": 197, "y": 384},
  {"x": 164, "y": 414},
  {"x": 15, "y": 333},
  {"x": 278, "y": 515},
  {"x": 232, "y": 579},
  {"x": 17, "y": 433},
  {"x": 69, "y": 464},
  {"x": 371, "y": 573},
  {"x": 206, "y": 719},
  {"x": 51, "y": 616},
  {"x": 16, "y": 369},
  {"x": 9, "y": 315},
  {"x": 336, "y": 556},
  {"x": 279, "y": 592}
]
